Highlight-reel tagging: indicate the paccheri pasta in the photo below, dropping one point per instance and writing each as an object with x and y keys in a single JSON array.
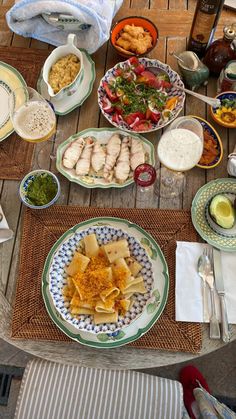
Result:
[{"x": 102, "y": 280}]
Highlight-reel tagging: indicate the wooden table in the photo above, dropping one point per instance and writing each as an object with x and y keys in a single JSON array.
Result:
[{"x": 173, "y": 18}]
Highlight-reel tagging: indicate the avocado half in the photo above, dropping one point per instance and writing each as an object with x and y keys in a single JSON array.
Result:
[{"x": 222, "y": 211}]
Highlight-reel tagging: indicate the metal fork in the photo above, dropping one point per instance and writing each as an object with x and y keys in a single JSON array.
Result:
[{"x": 214, "y": 322}]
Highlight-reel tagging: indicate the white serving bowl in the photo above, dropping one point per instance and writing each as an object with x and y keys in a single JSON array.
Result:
[{"x": 56, "y": 54}]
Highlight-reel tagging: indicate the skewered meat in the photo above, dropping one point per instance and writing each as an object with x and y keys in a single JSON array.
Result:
[
  {"x": 98, "y": 157},
  {"x": 113, "y": 150},
  {"x": 122, "y": 168},
  {"x": 137, "y": 153},
  {"x": 72, "y": 153},
  {"x": 83, "y": 164}
]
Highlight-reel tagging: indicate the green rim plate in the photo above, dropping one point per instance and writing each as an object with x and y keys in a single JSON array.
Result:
[
  {"x": 10, "y": 79},
  {"x": 199, "y": 211},
  {"x": 153, "y": 308},
  {"x": 101, "y": 134}
]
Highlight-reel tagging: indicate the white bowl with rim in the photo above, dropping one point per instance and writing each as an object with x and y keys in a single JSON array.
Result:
[{"x": 60, "y": 52}]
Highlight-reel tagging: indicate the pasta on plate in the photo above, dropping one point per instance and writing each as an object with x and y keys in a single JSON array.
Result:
[{"x": 102, "y": 280}]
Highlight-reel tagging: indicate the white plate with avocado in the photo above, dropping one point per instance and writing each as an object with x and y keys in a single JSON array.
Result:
[{"x": 214, "y": 214}]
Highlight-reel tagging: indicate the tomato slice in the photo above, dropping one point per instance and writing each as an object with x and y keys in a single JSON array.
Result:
[
  {"x": 111, "y": 95},
  {"x": 129, "y": 119},
  {"x": 118, "y": 72},
  {"x": 106, "y": 105},
  {"x": 118, "y": 109},
  {"x": 153, "y": 116},
  {"x": 117, "y": 118},
  {"x": 139, "y": 69},
  {"x": 133, "y": 61},
  {"x": 142, "y": 125}
]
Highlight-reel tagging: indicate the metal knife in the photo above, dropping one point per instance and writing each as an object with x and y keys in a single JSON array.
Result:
[{"x": 219, "y": 283}]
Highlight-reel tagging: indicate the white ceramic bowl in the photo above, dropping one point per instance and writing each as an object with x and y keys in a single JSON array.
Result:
[{"x": 56, "y": 54}]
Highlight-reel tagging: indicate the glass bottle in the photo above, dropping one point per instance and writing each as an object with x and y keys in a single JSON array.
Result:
[
  {"x": 204, "y": 24},
  {"x": 221, "y": 51}
]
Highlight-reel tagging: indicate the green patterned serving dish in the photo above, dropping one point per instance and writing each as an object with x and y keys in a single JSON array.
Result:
[
  {"x": 101, "y": 135},
  {"x": 146, "y": 309},
  {"x": 200, "y": 214}
]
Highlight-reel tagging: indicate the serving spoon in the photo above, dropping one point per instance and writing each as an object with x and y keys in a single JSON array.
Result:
[{"x": 209, "y": 100}]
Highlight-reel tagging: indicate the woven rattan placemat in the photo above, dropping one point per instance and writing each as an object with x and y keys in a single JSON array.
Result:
[
  {"x": 40, "y": 231},
  {"x": 15, "y": 154}
]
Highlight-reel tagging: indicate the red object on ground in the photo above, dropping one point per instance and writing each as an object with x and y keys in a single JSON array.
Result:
[{"x": 189, "y": 377}]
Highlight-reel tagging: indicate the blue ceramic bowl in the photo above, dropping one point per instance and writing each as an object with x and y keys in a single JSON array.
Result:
[
  {"x": 30, "y": 178},
  {"x": 225, "y": 115}
]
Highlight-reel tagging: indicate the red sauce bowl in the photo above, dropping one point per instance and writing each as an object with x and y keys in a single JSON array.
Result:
[{"x": 145, "y": 23}]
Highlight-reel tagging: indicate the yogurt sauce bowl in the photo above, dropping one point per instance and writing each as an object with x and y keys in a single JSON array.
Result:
[
  {"x": 56, "y": 54},
  {"x": 179, "y": 149}
]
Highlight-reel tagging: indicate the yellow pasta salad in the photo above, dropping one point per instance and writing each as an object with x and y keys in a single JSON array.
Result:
[{"x": 102, "y": 280}]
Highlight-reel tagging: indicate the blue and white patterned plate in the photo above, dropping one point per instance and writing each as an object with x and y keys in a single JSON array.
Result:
[
  {"x": 174, "y": 78},
  {"x": 146, "y": 309}
]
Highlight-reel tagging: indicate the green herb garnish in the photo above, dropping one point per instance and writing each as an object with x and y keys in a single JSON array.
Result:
[
  {"x": 229, "y": 103},
  {"x": 41, "y": 190}
]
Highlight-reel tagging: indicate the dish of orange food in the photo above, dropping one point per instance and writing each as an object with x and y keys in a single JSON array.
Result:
[
  {"x": 134, "y": 35},
  {"x": 212, "y": 149}
]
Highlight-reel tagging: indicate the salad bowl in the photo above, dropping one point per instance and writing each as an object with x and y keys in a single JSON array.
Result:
[{"x": 135, "y": 99}]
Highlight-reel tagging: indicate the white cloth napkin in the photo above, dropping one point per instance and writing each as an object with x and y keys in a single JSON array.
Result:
[
  {"x": 25, "y": 18},
  {"x": 188, "y": 289},
  {"x": 3, "y": 224}
]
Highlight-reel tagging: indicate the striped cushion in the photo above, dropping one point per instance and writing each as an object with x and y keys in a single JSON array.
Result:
[{"x": 59, "y": 391}]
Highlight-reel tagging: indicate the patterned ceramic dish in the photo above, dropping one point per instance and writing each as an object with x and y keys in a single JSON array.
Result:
[
  {"x": 174, "y": 78},
  {"x": 10, "y": 79},
  {"x": 30, "y": 177},
  {"x": 219, "y": 147},
  {"x": 220, "y": 238},
  {"x": 68, "y": 103},
  {"x": 102, "y": 135},
  {"x": 225, "y": 115},
  {"x": 147, "y": 308}
]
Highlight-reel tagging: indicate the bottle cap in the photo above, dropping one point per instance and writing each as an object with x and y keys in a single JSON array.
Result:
[{"x": 229, "y": 32}]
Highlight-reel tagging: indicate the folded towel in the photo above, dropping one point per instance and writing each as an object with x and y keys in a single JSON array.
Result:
[
  {"x": 188, "y": 287},
  {"x": 25, "y": 18}
]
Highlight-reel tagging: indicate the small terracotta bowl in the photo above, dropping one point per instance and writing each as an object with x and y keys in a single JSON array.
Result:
[
  {"x": 136, "y": 21},
  {"x": 225, "y": 115}
]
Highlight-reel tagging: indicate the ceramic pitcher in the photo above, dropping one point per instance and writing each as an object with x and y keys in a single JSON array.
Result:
[{"x": 193, "y": 71}]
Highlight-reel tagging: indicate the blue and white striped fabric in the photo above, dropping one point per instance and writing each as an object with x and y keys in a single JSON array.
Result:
[
  {"x": 53, "y": 391},
  {"x": 25, "y": 18}
]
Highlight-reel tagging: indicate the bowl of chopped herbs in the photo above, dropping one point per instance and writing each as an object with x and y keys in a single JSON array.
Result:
[{"x": 39, "y": 189}]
